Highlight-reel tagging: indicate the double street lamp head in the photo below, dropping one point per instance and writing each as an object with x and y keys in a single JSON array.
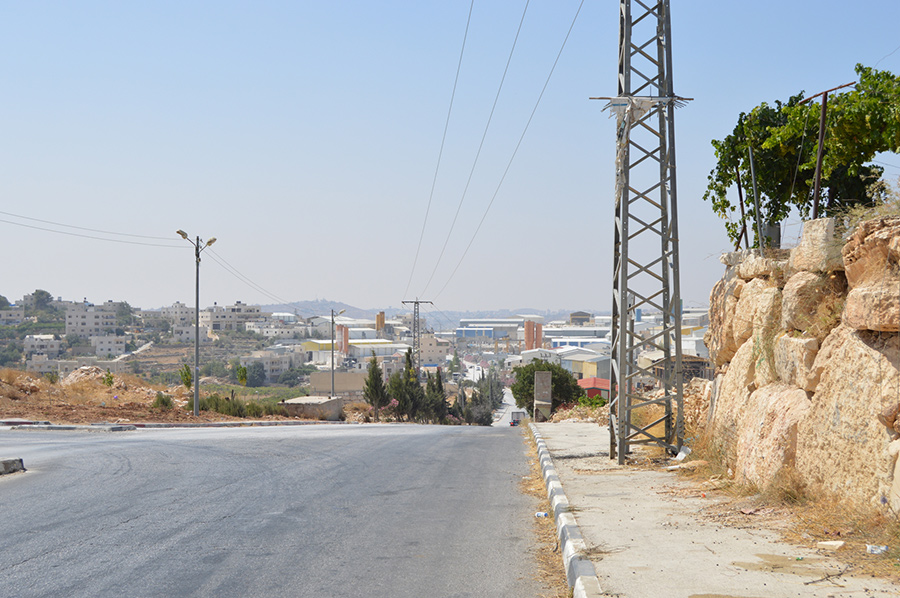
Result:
[{"x": 184, "y": 236}]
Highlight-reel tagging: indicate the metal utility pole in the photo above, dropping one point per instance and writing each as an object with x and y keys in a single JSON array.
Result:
[
  {"x": 199, "y": 246},
  {"x": 821, "y": 151},
  {"x": 416, "y": 331},
  {"x": 645, "y": 261}
]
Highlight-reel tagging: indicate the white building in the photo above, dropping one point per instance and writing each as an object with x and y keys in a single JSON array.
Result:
[
  {"x": 178, "y": 314},
  {"x": 542, "y": 354},
  {"x": 433, "y": 350},
  {"x": 12, "y": 315},
  {"x": 42, "y": 344},
  {"x": 230, "y": 317},
  {"x": 186, "y": 334},
  {"x": 89, "y": 320},
  {"x": 108, "y": 345}
]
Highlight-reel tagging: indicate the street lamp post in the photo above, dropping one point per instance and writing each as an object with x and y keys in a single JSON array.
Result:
[
  {"x": 333, "y": 314},
  {"x": 198, "y": 247}
]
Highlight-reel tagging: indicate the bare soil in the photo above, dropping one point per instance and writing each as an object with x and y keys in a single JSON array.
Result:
[{"x": 83, "y": 398}]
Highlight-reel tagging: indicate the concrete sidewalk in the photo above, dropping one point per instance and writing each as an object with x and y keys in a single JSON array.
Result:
[{"x": 644, "y": 536}]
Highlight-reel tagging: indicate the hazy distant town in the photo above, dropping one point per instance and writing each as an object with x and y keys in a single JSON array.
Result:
[{"x": 54, "y": 337}]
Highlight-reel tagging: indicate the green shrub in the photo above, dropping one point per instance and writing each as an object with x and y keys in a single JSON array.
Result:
[
  {"x": 163, "y": 401},
  {"x": 107, "y": 378},
  {"x": 274, "y": 409},
  {"x": 254, "y": 409},
  {"x": 592, "y": 402}
]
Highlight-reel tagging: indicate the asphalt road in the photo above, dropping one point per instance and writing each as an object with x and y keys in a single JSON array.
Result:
[{"x": 375, "y": 510}]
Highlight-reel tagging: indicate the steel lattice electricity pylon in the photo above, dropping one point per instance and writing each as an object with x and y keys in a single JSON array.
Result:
[
  {"x": 417, "y": 343},
  {"x": 645, "y": 268}
]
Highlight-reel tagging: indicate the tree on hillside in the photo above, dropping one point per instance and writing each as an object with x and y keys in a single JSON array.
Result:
[
  {"x": 397, "y": 390},
  {"x": 374, "y": 390},
  {"x": 784, "y": 139},
  {"x": 478, "y": 410},
  {"x": 435, "y": 399},
  {"x": 491, "y": 387},
  {"x": 123, "y": 314},
  {"x": 256, "y": 374},
  {"x": 563, "y": 385},
  {"x": 42, "y": 299}
]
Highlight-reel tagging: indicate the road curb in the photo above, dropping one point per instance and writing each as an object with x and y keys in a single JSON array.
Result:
[
  {"x": 580, "y": 572},
  {"x": 103, "y": 427},
  {"x": 87, "y": 428}
]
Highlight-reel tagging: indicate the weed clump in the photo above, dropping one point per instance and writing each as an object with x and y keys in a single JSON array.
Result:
[{"x": 163, "y": 402}]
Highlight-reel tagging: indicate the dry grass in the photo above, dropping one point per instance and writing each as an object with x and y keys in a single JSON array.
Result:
[
  {"x": 550, "y": 564},
  {"x": 801, "y": 517},
  {"x": 830, "y": 518}
]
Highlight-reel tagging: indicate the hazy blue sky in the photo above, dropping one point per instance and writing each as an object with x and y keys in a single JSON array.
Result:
[{"x": 304, "y": 136}]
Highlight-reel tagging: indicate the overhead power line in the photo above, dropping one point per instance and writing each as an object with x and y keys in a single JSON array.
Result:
[
  {"x": 221, "y": 261},
  {"x": 70, "y": 234},
  {"x": 441, "y": 151},
  {"x": 515, "y": 151},
  {"x": 92, "y": 230},
  {"x": 487, "y": 126}
]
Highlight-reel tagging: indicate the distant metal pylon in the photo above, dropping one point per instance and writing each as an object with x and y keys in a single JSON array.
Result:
[
  {"x": 645, "y": 265},
  {"x": 417, "y": 343}
]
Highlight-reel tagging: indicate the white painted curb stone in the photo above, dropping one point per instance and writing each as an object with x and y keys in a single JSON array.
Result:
[{"x": 580, "y": 573}]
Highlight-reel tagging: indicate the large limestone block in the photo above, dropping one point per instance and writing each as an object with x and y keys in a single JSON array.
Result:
[
  {"x": 873, "y": 273},
  {"x": 870, "y": 249},
  {"x": 757, "y": 319},
  {"x": 794, "y": 359},
  {"x": 873, "y": 308},
  {"x": 819, "y": 249},
  {"x": 755, "y": 308},
  {"x": 719, "y": 337},
  {"x": 812, "y": 302},
  {"x": 755, "y": 266},
  {"x": 893, "y": 453},
  {"x": 767, "y": 436},
  {"x": 841, "y": 445},
  {"x": 732, "y": 390}
]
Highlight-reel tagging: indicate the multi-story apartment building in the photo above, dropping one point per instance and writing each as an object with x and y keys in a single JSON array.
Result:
[
  {"x": 178, "y": 314},
  {"x": 90, "y": 320},
  {"x": 433, "y": 350},
  {"x": 230, "y": 317},
  {"x": 105, "y": 346},
  {"x": 12, "y": 315},
  {"x": 42, "y": 344}
]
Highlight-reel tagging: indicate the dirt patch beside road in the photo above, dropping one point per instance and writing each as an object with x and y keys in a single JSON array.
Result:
[{"x": 83, "y": 397}]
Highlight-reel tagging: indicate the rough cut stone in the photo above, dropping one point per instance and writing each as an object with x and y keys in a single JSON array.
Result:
[
  {"x": 767, "y": 439},
  {"x": 733, "y": 258},
  {"x": 794, "y": 358},
  {"x": 819, "y": 249},
  {"x": 873, "y": 274},
  {"x": 842, "y": 445},
  {"x": 869, "y": 250},
  {"x": 873, "y": 308},
  {"x": 802, "y": 296},
  {"x": 755, "y": 296},
  {"x": 894, "y": 498},
  {"x": 755, "y": 266},
  {"x": 719, "y": 337},
  {"x": 731, "y": 392}
]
